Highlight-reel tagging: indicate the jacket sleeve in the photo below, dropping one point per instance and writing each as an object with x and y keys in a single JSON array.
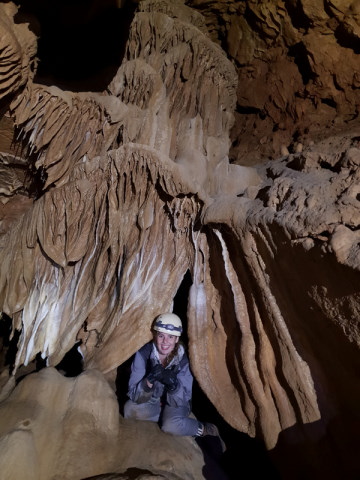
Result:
[
  {"x": 182, "y": 395},
  {"x": 139, "y": 391}
]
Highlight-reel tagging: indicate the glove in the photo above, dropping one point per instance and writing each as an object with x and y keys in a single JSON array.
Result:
[
  {"x": 155, "y": 373},
  {"x": 169, "y": 379}
]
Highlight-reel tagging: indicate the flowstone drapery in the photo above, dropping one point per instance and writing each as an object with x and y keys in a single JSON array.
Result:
[
  {"x": 128, "y": 175},
  {"x": 134, "y": 188}
]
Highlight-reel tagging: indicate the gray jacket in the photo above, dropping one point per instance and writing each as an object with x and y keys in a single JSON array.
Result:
[{"x": 139, "y": 391}]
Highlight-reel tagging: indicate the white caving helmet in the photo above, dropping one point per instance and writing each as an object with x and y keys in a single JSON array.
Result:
[{"x": 168, "y": 323}]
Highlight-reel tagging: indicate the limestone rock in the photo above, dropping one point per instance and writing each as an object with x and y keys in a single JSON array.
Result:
[{"x": 55, "y": 427}]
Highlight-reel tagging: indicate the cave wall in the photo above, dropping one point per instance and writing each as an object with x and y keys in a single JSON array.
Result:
[
  {"x": 297, "y": 68},
  {"x": 226, "y": 145}
]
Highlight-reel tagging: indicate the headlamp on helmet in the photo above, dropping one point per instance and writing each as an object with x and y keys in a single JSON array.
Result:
[{"x": 168, "y": 323}]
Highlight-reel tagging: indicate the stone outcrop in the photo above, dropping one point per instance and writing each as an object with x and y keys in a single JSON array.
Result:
[
  {"x": 236, "y": 164},
  {"x": 65, "y": 428}
]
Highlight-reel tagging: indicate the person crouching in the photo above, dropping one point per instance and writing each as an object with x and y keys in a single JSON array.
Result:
[{"x": 160, "y": 384}]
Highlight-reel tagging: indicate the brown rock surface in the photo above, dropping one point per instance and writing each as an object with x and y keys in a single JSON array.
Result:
[{"x": 225, "y": 145}]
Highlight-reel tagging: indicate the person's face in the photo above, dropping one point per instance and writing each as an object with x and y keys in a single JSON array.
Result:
[{"x": 165, "y": 343}]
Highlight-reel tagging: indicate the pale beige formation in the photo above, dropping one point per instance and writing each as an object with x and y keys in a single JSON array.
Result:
[
  {"x": 66, "y": 428},
  {"x": 236, "y": 164}
]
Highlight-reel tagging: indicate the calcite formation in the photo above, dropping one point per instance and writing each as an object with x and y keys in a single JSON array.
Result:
[
  {"x": 232, "y": 164},
  {"x": 56, "y": 427}
]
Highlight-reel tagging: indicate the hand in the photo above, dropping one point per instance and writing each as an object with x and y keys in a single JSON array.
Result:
[
  {"x": 169, "y": 379},
  {"x": 155, "y": 373}
]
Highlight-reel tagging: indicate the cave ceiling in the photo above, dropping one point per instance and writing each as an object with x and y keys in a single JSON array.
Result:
[{"x": 144, "y": 140}]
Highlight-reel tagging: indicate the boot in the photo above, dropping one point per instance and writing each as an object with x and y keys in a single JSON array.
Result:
[{"x": 210, "y": 429}]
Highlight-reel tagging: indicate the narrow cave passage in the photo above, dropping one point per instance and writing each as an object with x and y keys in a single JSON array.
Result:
[
  {"x": 8, "y": 343},
  {"x": 81, "y": 44},
  {"x": 244, "y": 455}
]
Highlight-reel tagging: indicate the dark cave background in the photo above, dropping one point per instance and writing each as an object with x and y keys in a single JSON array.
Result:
[{"x": 81, "y": 43}]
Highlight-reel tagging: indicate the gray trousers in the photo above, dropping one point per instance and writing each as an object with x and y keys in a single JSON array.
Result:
[{"x": 174, "y": 420}]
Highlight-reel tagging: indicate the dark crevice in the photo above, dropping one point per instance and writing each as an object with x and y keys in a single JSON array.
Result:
[
  {"x": 297, "y": 164},
  {"x": 346, "y": 40},
  {"x": 81, "y": 44},
  {"x": 333, "y": 168},
  {"x": 263, "y": 195},
  {"x": 38, "y": 179},
  {"x": 325, "y": 233},
  {"x": 246, "y": 110},
  {"x": 181, "y": 304},
  {"x": 9, "y": 339},
  {"x": 8, "y": 342},
  {"x": 297, "y": 16},
  {"x": 300, "y": 55},
  {"x": 354, "y": 228},
  {"x": 250, "y": 111},
  {"x": 355, "y": 142},
  {"x": 271, "y": 174},
  {"x": 72, "y": 363},
  {"x": 329, "y": 101}
]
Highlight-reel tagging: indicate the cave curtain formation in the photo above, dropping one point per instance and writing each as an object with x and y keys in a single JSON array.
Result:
[{"x": 135, "y": 189}]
